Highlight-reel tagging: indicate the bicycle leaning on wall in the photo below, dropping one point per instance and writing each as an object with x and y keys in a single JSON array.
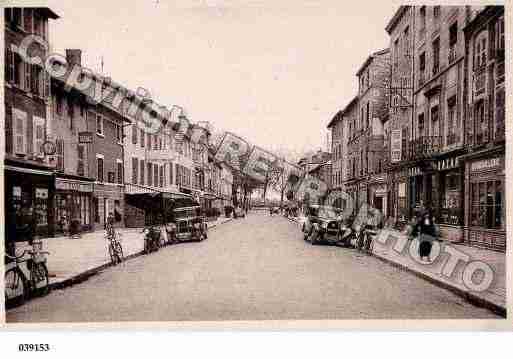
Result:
[{"x": 26, "y": 276}]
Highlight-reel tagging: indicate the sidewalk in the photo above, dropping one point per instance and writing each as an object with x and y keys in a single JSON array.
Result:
[
  {"x": 72, "y": 260},
  {"x": 493, "y": 298}
]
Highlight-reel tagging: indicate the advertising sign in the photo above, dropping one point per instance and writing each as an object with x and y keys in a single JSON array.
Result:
[{"x": 396, "y": 144}]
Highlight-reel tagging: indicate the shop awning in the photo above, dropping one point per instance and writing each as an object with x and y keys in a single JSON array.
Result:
[{"x": 28, "y": 170}]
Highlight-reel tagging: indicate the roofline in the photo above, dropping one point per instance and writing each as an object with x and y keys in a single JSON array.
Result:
[
  {"x": 342, "y": 112},
  {"x": 370, "y": 58},
  {"x": 49, "y": 12},
  {"x": 395, "y": 19},
  {"x": 481, "y": 16}
]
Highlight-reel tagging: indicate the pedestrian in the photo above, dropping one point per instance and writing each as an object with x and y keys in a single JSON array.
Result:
[{"x": 427, "y": 232}]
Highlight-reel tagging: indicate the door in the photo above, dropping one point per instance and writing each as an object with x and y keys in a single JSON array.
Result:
[{"x": 378, "y": 203}]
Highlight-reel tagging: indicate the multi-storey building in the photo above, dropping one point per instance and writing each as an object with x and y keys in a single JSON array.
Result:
[
  {"x": 226, "y": 185},
  {"x": 435, "y": 170},
  {"x": 484, "y": 85},
  {"x": 365, "y": 145},
  {"x": 89, "y": 138},
  {"x": 339, "y": 138},
  {"x": 397, "y": 126},
  {"x": 29, "y": 176}
]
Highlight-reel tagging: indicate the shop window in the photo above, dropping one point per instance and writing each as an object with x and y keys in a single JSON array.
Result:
[
  {"x": 487, "y": 204},
  {"x": 96, "y": 205}
]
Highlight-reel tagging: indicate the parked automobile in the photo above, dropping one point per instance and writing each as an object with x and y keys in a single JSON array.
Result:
[
  {"x": 190, "y": 224},
  {"x": 323, "y": 224}
]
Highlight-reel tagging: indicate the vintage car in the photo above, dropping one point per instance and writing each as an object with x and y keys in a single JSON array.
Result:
[
  {"x": 189, "y": 224},
  {"x": 323, "y": 225}
]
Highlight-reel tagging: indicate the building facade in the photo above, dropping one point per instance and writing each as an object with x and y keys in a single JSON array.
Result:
[
  {"x": 366, "y": 183},
  {"x": 484, "y": 110},
  {"x": 28, "y": 172}
]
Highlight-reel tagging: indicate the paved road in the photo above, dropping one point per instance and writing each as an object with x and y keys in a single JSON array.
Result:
[{"x": 249, "y": 269}]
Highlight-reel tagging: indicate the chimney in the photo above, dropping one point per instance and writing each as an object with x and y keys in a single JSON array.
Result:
[{"x": 74, "y": 57}]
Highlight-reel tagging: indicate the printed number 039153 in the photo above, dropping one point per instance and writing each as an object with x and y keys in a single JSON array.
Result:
[{"x": 33, "y": 347}]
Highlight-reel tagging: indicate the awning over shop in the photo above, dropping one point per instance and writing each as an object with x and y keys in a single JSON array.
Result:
[{"x": 28, "y": 170}]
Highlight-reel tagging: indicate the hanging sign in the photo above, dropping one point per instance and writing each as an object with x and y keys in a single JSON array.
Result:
[{"x": 396, "y": 143}]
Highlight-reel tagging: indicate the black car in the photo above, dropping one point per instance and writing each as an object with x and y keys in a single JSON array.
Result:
[{"x": 323, "y": 225}]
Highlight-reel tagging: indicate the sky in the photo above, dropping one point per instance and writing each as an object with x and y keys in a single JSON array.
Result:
[{"x": 272, "y": 72}]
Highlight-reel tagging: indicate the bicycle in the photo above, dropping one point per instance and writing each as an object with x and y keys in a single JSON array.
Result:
[
  {"x": 114, "y": 247},
  {"x": 19, "y": 285},
  {"x": 151, "y": 239}
]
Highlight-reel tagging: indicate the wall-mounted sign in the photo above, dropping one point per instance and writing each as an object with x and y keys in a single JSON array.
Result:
[
  {"x": 485, "y": 164},
  {"x": 395, "y": 146},
  {"x": 70, "y": 185},
  {"x": 85, "y": 137}
]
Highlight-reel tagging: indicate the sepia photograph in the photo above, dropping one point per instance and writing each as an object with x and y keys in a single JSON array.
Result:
[{"x": 227, "y": 161}]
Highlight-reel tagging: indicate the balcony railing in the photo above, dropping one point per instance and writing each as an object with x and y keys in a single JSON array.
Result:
[
  {"x": 424, "y": 147},
  {"x": 452, "y": 54}
]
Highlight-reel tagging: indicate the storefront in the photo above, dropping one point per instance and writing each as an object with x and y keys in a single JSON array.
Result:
[
  {"x": 29, "y": 191},
  {"x": 73, "y": 203},
  {"x": 378, "y": 194},
  {"x": 107, "y": 198},
  {"x": 485, "y": 200}
]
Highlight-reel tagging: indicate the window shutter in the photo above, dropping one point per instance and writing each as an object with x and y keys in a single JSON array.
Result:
[{"x": 486, "y": 136}]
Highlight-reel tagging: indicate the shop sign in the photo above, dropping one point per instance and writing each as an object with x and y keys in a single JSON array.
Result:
[
  {"x": 85, "y": 137},
  {"x": 396, "y": 143},
  {"x": 73, "y": 186},
  {"x": 42, "y": 193},
  {"x": 485, "y": 164}
]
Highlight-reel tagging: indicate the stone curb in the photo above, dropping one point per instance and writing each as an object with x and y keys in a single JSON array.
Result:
[{"x": 469, "y": 297}]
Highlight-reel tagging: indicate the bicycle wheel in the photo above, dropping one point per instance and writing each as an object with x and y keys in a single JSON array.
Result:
[
  {"x": 112, "y": 253},
  {"x": 15, "y": 287},
  {"x": 119, "y": 252}
]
